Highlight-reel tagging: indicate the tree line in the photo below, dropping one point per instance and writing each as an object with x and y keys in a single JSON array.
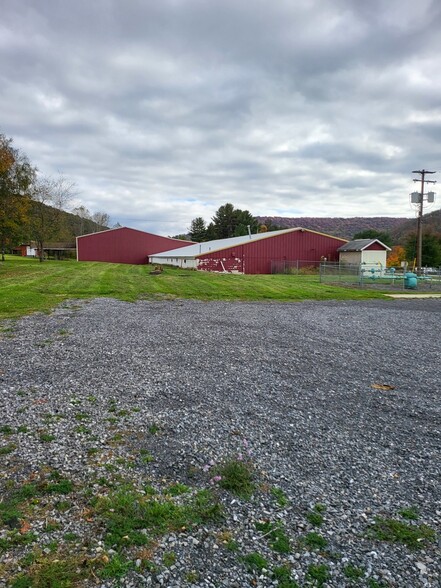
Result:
[
  {"x": 228, "y": 221},
  {"x": 32, "y": 206}
]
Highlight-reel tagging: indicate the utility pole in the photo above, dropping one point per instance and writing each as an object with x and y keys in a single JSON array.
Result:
[{"x": 419, "y": 199}]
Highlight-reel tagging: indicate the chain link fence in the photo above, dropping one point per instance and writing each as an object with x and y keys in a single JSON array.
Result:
[
  {"x": 297, "y": 267},
  {"x": 376, "y": 276}
]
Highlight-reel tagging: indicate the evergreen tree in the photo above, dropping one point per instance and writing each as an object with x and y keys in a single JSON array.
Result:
[
  {"x": 430, "y": 252},
  {"x": 198, "y": 230}
]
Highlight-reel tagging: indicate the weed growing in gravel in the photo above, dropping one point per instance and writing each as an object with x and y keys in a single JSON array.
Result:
[
  {"x": 236, "y": 476},
  {"x": 314, "y": 518},
  {"x": 353, "y": 572},
  {"x": 153, "y": 429},
  {"x": 278, "y": 539},
  {"x": 6, "y": 430},
  {"x": 410, "y": 513},
  {"x": 127, "y": 514},
  {"x": 52, "y": 572},
  {"x": 169, "y": 559},
  {"x": 178, "y": 489},
  {"x": 9, "y": 448},
  {"x": 283, "y": 576},
  {"x": 82, "y": 416},
  {"x": 22, "y": 429},
  {"x": 279, "y": 496},
  {"x": 314, "y": 541},
  {"x": 317, "y": 574},
  {"x": 414, "y": 537},
  {"x": 82, "y": 430},
  {"x": 117, "y": 567},
  {"x": 372, "y": 583},
  {"x": 255, "y": 562},
  {"x": 46, "y": 437}
]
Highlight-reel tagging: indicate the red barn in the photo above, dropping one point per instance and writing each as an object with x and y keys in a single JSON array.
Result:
[
  {"x": 124, "y": 245},
  {"x": 254, "y": 254}
]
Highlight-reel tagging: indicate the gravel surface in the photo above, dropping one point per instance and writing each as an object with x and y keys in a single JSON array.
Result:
[{"x": 334, "y": 406}]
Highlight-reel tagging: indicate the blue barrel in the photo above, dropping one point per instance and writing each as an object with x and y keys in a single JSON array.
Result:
[{"x": 410, "y": 280}]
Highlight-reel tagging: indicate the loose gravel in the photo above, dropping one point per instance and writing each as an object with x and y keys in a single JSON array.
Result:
[{"x": 336, "y": 405}]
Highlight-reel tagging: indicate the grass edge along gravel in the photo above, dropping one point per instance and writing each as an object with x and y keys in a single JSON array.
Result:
[{"x": 27, "y": 286}]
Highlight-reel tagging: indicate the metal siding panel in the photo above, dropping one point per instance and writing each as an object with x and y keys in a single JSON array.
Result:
[{"x": 256, "y": 256}]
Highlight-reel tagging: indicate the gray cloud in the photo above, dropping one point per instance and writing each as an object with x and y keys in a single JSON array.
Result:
[{"x": 162, "y": 111}]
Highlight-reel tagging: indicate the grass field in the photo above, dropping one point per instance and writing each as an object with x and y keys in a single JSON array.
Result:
[{"x": 26, "y": 285}]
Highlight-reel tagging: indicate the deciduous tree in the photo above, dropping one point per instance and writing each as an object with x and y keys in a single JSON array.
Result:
[
  {"x": 16, "y": 177},
  {"x": 49, "y": 197}
]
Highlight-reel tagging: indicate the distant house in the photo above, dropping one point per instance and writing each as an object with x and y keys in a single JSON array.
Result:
[
  {"x": 253, "y": 254},
  {"x": 26, "y": 249},
  {"x": 124, "y": 245},
  {"x": 368, "y": 251}
]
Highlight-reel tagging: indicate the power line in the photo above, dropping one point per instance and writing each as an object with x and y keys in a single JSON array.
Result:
[{"x": 419, "y": 199}]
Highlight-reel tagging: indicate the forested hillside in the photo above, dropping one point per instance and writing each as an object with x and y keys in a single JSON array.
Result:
[{"x": 339, "y": 227}]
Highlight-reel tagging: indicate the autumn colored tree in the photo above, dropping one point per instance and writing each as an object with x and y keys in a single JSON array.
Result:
[
  {"x": 396, "y": 256},
  {"x": 16, "y": 177}
]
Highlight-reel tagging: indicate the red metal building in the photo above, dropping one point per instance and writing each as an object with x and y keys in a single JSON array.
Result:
[
  {"x": 123, "y": 245},
  {"x": 255, "y": 254}
]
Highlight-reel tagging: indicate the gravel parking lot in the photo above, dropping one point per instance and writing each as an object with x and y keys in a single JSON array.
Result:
[{"x": 336, "y": 406}]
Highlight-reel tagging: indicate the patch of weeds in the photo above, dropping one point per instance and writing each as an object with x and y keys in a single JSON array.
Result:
[
  {"x": 50, "y": 526},
  {"x": 92, "y": 450},
  {"x": 153, "y": 429},
  {"x": 372, "y": 583},
  {"x": 280, "y": 496},
  {"x": 178, "y": 489},
  {"x": 192, "y": 577},
  {"x": 75, "y": 401},
  {"x": 319, "y": 507},
  {"x": 255, "y": 562},
  {"x": 353, "y": 572},
  {"x": 278, "y": 539},
  {"x": 127, "y": 514},
  {"x": 21, "y": 393},
  {"x": 92, "y": 399},
  {"x": 169, "y": 559},
  {"x": 22, "y": 429},
  {"x": 136, "y": 410},
  {"x": 112, "y": 420},
  {"x": 9, "y": 448},
  {"x": 317, "y": 574},
  {"x": 396, "y": 531},
  {"x": 82, "y": 416},
  {"x": 63, "y": 505},
  {"x": 236, "y": 476},
  {"x": 15, "y": 538},
  {"x": 149, "y": 490},
  {"x": 123, "y": 413},
  {"x": 314, "y": 541},
  {"x": 52, "y": 572},
  {"x": 112, "y": 406},
  {"x": 411, "y": 513},
  {"x": 117, "y": 567},
  {"x": 283, "y": 575},
  {"x": 6, "y": 430},
  {"x": 110, "y": 467},
  {"x": 71, "y": 537},
  {"x": 104, "y": 482},
  {"x": 82, "y": 430},
  {"x": 146, "y": 457},
  {"x": 46, "y": 437},
  {"x": 118, "y": 438},
  {"x": 63, "y": 332},
  {"x": 60, "y": 486},
  {"x": 314, "y": 518}
]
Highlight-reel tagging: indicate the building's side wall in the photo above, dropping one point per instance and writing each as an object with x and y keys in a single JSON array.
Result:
[
  {"x": 351, "y": 257},
  {"x": 255, "y": 257},
  {"x": 123, "y": 245},
  {"x": 374, "y": 256},
  {"x": 184, "y": 262}
]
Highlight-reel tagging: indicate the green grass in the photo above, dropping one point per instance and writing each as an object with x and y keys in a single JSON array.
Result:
[
  {"x": 255, "y": 562},
  {"x": 274, "y": 533},
  {"x": 29, "y": 286}
]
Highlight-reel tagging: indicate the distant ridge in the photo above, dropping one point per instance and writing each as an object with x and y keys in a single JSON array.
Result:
[{"x": 340, "y": 227}]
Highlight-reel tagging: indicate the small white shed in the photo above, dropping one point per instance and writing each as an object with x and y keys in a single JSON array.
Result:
[{"x": 367, "y": 251}]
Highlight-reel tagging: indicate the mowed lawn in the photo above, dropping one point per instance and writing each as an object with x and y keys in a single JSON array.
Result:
[{"x": 26, "y": 285}]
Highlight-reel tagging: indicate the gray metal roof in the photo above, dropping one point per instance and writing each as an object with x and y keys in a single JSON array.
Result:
[
  {"x": 219, "y": 244},
  {"x": 360, "y": 245}
]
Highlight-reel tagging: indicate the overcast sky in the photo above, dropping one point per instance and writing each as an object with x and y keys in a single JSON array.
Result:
[{"x": 163, "y": 110}]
